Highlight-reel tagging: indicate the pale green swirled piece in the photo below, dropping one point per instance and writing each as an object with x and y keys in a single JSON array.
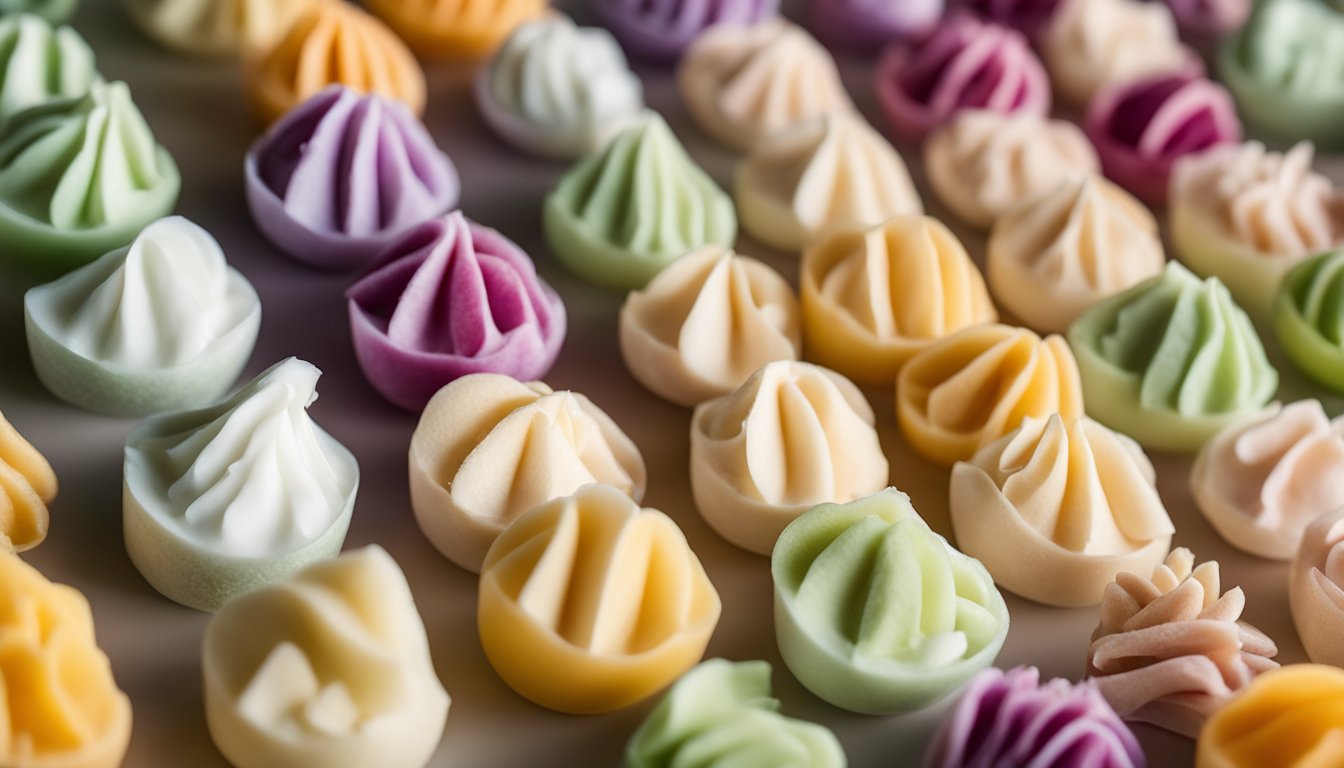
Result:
[
  {"x": 721, "y": 715},
  {"x": 1171, "y": 361},
  {"x": 876, "y": 613},
  {"x": 80, "y": 177},
  {"x": 1309, "y": 318},
  {"x": 1286, "y": 69},
  {"x": 621, "y": 216},
  {"x": 54, "y": 11},
  {"x": 40, "y": 63}
]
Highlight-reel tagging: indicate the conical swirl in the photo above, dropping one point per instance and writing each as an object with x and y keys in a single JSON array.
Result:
[
  {"x": 1316, "y": 588},
  {"x": 826, "y": 175},
  {"x": 873, "y": 299},
  {"x": 1170, "y": 650},
  {"x": 1091, "y": 44},
  {"x": 706, "y": 323},
  {"x": 62, "y": 706},
  {"x": 1308, "y": 320},
  {"x": 456, "y": 28},
  {"x": 1293, "y": 47},
  {"x": 27, "y": 486},
  {"x": 976, "y": 386},
  {"x": 1053, "y": 258},
  {"x": 216, "y": 27},
  {"x": 1289, "y": 718},
  {"x": 722, "y": 713},
  {"x": 743, "y": 84},
  {"x": 662, "y": 29},
  {"x": 39, "y": 63}
]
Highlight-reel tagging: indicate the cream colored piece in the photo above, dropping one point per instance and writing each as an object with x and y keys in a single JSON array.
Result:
[
  {"x": 1170, "y": 650},
  {"x": 330, "y": 668},
  {"x": 1092, "y": 44},
  {"x": 706, "y": 323},
  {"x": 743, "y": 83},
  {"x": 27, "y": 486},
  {"x": 1247, "y": 215},
  {"x": 1054, "y": 257},
  {"x": 216, "y": 27},
  {"x": 1316, "y": 589},
  {"x": 1056, "y": 509},
  {"x": 793, "y": 436},
  {"x": 828, "y": 174},
  {"x": 489, "y": 448},
  {"x": 872, "y": 299},
  {"x": 983, "y": 163}
]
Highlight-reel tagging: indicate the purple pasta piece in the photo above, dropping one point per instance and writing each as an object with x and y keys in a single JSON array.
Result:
[
  {"x": 1210, "y": 18},
  {"x": 1143, "y": 127},
  {"x": 964, "y": 64},
  {"x": 450, "y": 299},
  {"x": 868, "y": 25},
  {"x": 1030, "y": 17},
  {"x": 343, "y": 176},
  {"x": 1009, "y": 720},
  {"x": 660, "y": 30}
]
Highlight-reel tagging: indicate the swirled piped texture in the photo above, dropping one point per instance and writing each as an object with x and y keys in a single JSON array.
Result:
[
  {"x": 742, "y": 84},
  {"x": 1290, "y": 718},
  {"x": 865, "y": 26},
  {"x": 1011, "y": 720},
  {"x": 876, "y": 613},
  {"x": 589, "y": 604},
  {"x": 221, "y": 501},
  {"x": 62, "y": 706},
  {"x": 53, "y": 11},
  {"x": 822, "y": 176},
  {"x": 1262, "y": 482},
  {"x": 792, "y": 436},
  {"x": 1316, "y": 588},
  {"x": 40, "y": 63},
  {"x": 217, "y": 27},
  {"x": 1142, "y": 127},
  {"x": 343, "y": 176},
  {"x": 1092, "y": 44},
  {"x": 982, "y": 164},
  {"x": 80, "y": 177},
  {"x": 660, "y": 30},
  {"x": 451, "y": 299},
  {"x": 964, "y": 64},
  {"x": 456, "y": 28},
  {"x": 1055, "y": 509},
  {"x": 558, "y": 90},
  {"x": 1309, "y": 318},
  {"x": 329, "y": 667},
  {"x": 161, "y": 325},
  {"x": 706, "y": 323},
  {"x": 1169, "y": 650},
  {"x": 969, "y": 389},
  {"x": 489, "y": 448},
  {"x": 873, "y": 299},
  {"x": 721, "y": 713},
  {"x": 1171, "y": 361},
  {"x": 1210, "y": 18},
  {"x": 27, "y": 487},
  {"x": 620, "y": 216},
  {"x": 1286, "y": 68},
  {"x": 1031, "y": 17},
  {"x": 332, "y": 43},
  {"x": 1056, "y": 256}
]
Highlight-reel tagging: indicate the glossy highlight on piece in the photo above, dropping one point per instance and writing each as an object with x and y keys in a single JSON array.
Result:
[
  {"x": 1308, "y": 325},
  {"x": 661, "y": 30},
  {"x": 439, "y": 29},
  {"x": 1289, "y": 717},
  {"x": 27, "y": 487},
  {"x": 1316, "y": 589}
]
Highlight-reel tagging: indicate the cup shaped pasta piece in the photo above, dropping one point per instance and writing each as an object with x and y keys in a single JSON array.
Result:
[
  {"x": 27, "y": 487},
  {"x": 557, "y": 90},
  {"x": 328, "y": 667},
  {"x": 975, "y": 386},
  {"x": 1289, "y": 717},
  {"x": 1316, "y": 588},
  {"x": 722, "y": 713},
  {"x": 982, "y": 164},
  {"x": 489, "y": 448},
  {"x": 343, "y": 176},
  {"x": 451, "y": 299},
  {"x": 826, "y": 175},
  {"x": 876, "y": 613},
  {"x": 217, "y": 27},
  {"x": 661, "y": 30},
  {"x": 872, "y": 300},
  {"x": 864, "y": 26},
  {"x": 742, "y": 84},
  {"x": 1092, "y": 44},
  {"x": 332, "y": 43},
  {"x": 62, "y": 705},
  {"x": 589, "y": 604},
  {"x": 439, "y": 29},
  {"x": 1262, "y": 481},
  {"x": 1170, "y": 650},
  {"x": 706, "y": 323},
  {"x": 161, "y": 325},
  {"x": 793, "y": 436},
  {"x": 1307, "y": 319},
  {"x": 227, "y": 499},
  {"x": 1058, "y": 255},
  {"x": 622, "y": 215},
  {"x": 40, "y": 63},
  {"x": 52, "y": 11},
  {"x": 1171, "y": 361}
]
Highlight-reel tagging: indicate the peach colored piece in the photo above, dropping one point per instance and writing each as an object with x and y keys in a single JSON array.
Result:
[
  {"x": 456, "y": 28},
  {"x": 1289, "y": 718},
  {"x": 1316, "y": 589}
]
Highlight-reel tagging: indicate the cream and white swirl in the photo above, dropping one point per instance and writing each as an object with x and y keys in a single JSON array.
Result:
[
  {"x": 1091, "y": 44},
  {"x": 215, "y": 27}
]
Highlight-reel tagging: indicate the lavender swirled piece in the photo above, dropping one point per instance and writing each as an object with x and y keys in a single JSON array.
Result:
[
  {"x": 660, "y": 30},
  {"x": 450, "y": 299},
  {"x": 1010, "y": 720},
  {"x": 344, "y": 175},
  {"x": 867, "y": 25}
]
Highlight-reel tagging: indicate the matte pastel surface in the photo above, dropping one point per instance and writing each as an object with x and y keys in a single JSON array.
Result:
[{"x": 662, "y": 29}]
